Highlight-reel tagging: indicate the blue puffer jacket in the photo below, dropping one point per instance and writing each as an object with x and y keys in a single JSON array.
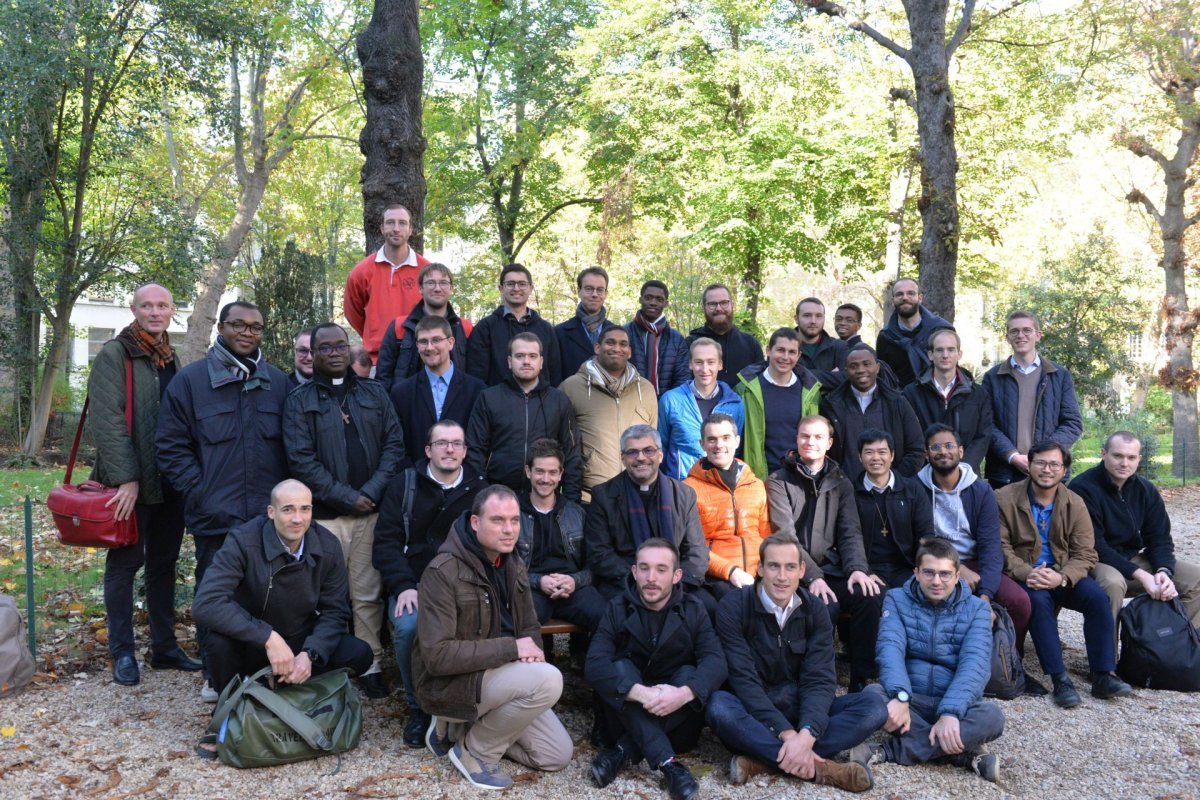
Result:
[
  {"x": 1056, "y": 415},
  {"x": 942, "y": 651},
  {"x": 673, "y": 357},
  {"x": 679, "y": 425}
]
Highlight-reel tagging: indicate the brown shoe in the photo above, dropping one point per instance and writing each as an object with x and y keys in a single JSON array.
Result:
[
  {"x": 744, "y": 768},
  {"x": 851, "y": 776}
]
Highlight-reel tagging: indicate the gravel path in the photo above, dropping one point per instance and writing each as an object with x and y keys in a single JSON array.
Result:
[{"x": 87, "y": 737}]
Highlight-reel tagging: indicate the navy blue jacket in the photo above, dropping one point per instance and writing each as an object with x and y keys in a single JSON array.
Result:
[
  {"x": 1056, "y": 415},
  {"x": 398, "y": 357},
  {"x": 487, "y": 347},
  {"x": 673, "y": 357},
  {"x": 829, "y": 364},
  {"x": 413, "y": 399},
  {"x": 222, "y": 447},
  {"x": 574, "y": 345},
  {"x": 983, "y": 518},
  {"x": 1126, "y": 521},
  {"x": 907, "y": 352}
]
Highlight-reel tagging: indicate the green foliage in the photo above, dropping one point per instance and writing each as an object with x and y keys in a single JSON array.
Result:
[
  {"x": 291, "y": 288},
  {"x": 1087, "y": 314},
  {"x": 1158, "y": 408}
]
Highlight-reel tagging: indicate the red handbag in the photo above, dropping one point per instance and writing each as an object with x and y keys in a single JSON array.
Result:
[{"x": 79, "y": 511}]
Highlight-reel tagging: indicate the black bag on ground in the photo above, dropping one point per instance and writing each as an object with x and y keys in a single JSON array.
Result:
[
  {"x": 1160, "y": 649},
  {"x": 260, "y": 727},
  {"x": 1008, "y": 673}
]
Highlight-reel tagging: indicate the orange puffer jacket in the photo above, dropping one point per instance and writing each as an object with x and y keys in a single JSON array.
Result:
[{"x": 734, "y": 523}]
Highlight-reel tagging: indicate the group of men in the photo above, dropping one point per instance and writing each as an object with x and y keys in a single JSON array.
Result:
[{"x": 706, "y": 513}]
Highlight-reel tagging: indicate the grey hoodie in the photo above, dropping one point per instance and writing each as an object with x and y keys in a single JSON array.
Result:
[{"x": 949, "y": 519}]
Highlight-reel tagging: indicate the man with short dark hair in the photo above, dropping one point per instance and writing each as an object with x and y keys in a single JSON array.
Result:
[
  {"x": 344, "y": 441},
  {"x": 822, "y": 354},
  {"x": 903, "y": 342},
  {"x": 577, "y": 336},
  {"x": 276, "y": 594},
  {"x": 780, "y": 711},
  {"x": 738, "y": 348},
  {"x": 399, "y": 357},
  {"x": 1133, "y": 531},
  {"x": 1046, "y": 533},
  {"x": 947, "y": 394},
  {"x": 658, "y": 351},
  {"x": 301, "y": 359},
  {"x": 477, "y": 665},
  {"x": 777, "y": 393},
  {"x": 383, "y": 286},
  {"x": 682, "y": 410},
  {"x": 522, "y": 408},
  {"x": 418, "y": 508},
  {"x": 847, "y": 322},
  {"x": 639, "y": 503},
  {"x": 864, "y": 402},
  {"x": 442, "y": 390},
  {"x": 935, "y": 645},
  {"x": 1033, "y": 400},
  {"x": 654, "y": 662},
  {"x": 220, "y": 440},
  {"x": 487, "y": 349}
]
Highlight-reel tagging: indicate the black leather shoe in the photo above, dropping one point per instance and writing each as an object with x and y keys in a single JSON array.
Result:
[
  {"x": 680, "y": 783},
  {"x": 1065, "y": 695},
  {"x": 125, "y": 671},
  {"x": 176, "y": 659},
  {"x": 1035, "y": 688},
  {"x": 373, "y": 686},
  {"x": 1105, "y": 686},
  {"x": 607, "y": 765},
  {"x": 414, "y": 730}
]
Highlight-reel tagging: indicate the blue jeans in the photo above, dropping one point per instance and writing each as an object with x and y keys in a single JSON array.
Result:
[
  {"x": 1089, "y": 599},
  {"x": 404, "y": 634},
  {"x": 983, "y": 722},
  {"x": 852, "y": 718}
]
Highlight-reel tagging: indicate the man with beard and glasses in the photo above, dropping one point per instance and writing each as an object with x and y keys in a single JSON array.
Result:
[
  {"x": 739, "y": 349},
  {"x": 220, "y": 438},
  {"x": 302, "y": 359},
  {"x": 577, "y": 336},
  {"x": 487, "y": 349},
  {"x": 659, "y": 351},
  {"x": 904, "y": 341}
]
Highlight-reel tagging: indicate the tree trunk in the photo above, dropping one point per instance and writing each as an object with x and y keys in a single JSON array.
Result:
[
  {"x": 752, "y": 275},
  {"x": 938, "y": 204},
  {"x": 392, "y": 141},
  {"x": 216, "y": 275},
  {"x": 56, "y": 360},
  {"x": 897, "y": 197}
]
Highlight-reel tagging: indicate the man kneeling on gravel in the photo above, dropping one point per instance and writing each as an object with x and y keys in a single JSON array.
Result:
[
  {"x": 934, "y": 653},
  {"x": 477, "y": 667},
  {"x": 276, "y": 594}
]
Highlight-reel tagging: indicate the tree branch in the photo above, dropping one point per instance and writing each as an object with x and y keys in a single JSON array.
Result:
[
  {"x": 964, "y": 25},
  {"x": 854, "y": 23},
  {"x": 1140, "y": 147},
  {"x": 579, "y": 201},
  {"x": 905, "y": 95},
  {"x": 1136, "y": 196}
]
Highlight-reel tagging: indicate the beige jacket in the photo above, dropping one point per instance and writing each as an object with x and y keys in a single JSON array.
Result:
[{"x": 1072, "y": 541}]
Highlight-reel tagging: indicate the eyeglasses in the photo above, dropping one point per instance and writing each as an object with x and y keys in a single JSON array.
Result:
[
  {"x": 633, "y": 452},
  {"x": 448, "y": 444},
  {"x": 330, "y": 349},
  {"x": 930, "y": 574},
  {"x": 303, "y": 352},
  {"x": 594, "y": 290},
  {"x": 438, "y": 284},
  {"x": 434, "y": 342},
  {"x": 1021, "y": 331},
  {"x": 510, "y": 285},
  {"x": 719, "y": 304},
  {"x": 241, "y": 327},
  {"x": 1053, "y": 466},
  {"x": 949, "y": 447}
]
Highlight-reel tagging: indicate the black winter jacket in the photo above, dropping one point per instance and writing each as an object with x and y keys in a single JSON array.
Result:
[
  {"x": 907, "y": 352},
  {"x": 785, "y": 678},
  {"x": 574, "y": 345},
  {"x": 398, "y": 357},
  {"x": 413, "y": 400},
  {"x": 834, "y": 544},
  {"x": 898, "y": 419},
  {"x": 254, "y": 586},
  {"x": 674, "y": 367},
  {"x": 625, "y": 645},
  {"x": 1127, "y": 521},
  {"x": 315, "y": 436},
  {"x": 487, "y": 348},
  {"x": 738, "y": 350},
  {"x": 222, "y": 447},
  {"x": 829, "y": 364},
  {"x": 909, "y": 514},
  {"x": 506, "y": 420},
  {"x": 968, "y": 411}
]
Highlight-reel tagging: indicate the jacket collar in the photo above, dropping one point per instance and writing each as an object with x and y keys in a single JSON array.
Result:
[
  {"x": 274, "y": 548},
  {"x": 1005, "y": 366}
]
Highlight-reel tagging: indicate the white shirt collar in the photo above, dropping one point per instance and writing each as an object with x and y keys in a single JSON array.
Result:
[
  {"x": 865, "y": 398},
  {"x": 445, "y": 486},
  {"x": 871, "y": 487},
  {"x": 781, "y": 613},
  {"x": 299, "y": 554},
  {"x": 766, "y": 374},
  {"x": 409, "y": 261},
  {"x": 944, "y": 391},
  {"x": 1037, "y": 363}
]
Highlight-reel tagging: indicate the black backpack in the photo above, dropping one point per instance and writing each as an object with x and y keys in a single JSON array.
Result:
[
  {"x": 1160, "y": 649},
  {"x": 1008, "y": 673}
]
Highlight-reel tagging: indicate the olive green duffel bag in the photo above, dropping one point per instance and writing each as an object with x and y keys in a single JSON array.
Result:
[{"x": 259, "y": 727}]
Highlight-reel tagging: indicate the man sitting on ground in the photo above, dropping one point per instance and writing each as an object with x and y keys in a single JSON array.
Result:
[
  {"x": 780, "y": 711},
  {"x": 934, "y": 651},
  {"x": 654, "y": 662}
]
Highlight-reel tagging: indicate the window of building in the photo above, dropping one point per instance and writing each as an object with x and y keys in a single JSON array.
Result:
[
  {"x": 1135, "y": 345},
  {"x": 96, "y": 339}
]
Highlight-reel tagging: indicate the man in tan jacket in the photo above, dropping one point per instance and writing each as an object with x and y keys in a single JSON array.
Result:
[
  {"x": 608, "y": 396},
  {"x": 1046, "y": 535}
]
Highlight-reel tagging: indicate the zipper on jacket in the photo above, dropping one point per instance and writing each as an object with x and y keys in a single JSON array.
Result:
[{"x": 271, "y": 584}]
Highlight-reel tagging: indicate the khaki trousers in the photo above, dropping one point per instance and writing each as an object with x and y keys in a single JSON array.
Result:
[
  {"x": 357, "y": 537},
  {"x": 1187, "y": 583},
  {"x": 516, "y": 720}
]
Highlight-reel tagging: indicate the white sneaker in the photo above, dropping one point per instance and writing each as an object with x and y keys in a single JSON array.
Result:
[{"x": 208, "y": 694}]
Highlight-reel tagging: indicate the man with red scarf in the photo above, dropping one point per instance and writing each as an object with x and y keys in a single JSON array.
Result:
[{"x": 659, "y": 352}]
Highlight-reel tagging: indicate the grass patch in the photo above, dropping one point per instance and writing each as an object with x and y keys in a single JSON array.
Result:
[{"x": 15, "y": 484}]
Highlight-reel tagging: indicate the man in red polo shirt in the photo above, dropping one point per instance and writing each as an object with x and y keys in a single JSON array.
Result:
[{"x": 383, "y": 286}]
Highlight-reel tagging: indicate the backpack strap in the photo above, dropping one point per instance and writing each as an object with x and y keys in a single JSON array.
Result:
[{"x": 410, "y": 487}]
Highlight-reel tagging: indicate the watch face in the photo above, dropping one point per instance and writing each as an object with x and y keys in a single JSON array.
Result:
[{"x": 902, "y": 696}]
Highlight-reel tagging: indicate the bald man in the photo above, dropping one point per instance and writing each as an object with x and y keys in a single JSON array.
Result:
[{"x": 261, "y": 610}]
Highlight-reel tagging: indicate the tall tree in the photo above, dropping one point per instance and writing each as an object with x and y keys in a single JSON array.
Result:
[
  {"x": 392, "y": 141},
  {"x": 1165, "y": 37}
]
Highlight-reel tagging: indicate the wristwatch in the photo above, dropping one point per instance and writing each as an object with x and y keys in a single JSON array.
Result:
[{"x": 902, "y": 696}]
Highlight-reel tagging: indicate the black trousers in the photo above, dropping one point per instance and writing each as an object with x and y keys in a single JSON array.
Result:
[
  {"x": 160, "y": 534},
  {"x": 230, "y": 658},
  {"x": 861, "y": 630},
  {"x": 206, "y": 550},
  {"x": 584, "y": 607},
  {"x": 643, "y": 735}
]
